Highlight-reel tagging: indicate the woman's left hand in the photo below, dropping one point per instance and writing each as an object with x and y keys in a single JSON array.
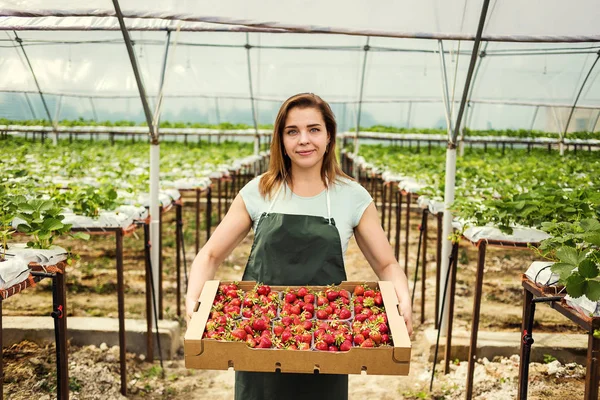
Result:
[{"x": 406, "y": 311}]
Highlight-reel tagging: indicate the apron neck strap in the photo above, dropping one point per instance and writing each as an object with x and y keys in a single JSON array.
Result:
[{"x": 327, "y": 194}]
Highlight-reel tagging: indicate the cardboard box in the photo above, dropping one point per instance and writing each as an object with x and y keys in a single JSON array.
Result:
[{"x": 212, "y": 354}]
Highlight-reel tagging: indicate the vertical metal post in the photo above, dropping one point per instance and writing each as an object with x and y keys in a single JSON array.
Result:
[
  {"x": 178, "y": 232},
  {"x": 60, "y": 333},
  {"x": 424, "y": 263},
  {"x": 254, "y": 117},
  {"x": 121, "y": 307},
  {"x": 407, "y": 230},
  {"x": 366, "y": 48},
  {"x": 409, "y": 114},
  {"x": 475, "y": 318}
]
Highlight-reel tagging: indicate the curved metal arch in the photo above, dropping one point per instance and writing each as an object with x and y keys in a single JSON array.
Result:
[{"x": 578, "y": 95}]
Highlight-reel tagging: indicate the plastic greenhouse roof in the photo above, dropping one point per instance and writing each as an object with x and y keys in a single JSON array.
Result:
[{"x": 508, "y": 20}]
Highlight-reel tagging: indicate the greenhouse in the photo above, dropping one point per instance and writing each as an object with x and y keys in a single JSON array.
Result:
[{"x": 130, "y": 132}]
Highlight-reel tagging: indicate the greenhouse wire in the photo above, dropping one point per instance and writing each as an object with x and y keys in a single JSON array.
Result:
[
  {"x": 37, "y": 84},
  {"x": 578, "y": 95}
]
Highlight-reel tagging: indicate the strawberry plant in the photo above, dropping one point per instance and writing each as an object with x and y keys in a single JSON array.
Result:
[
  {"x": 576, "y": 250},
  {"x": 42, "y": 220},
  {"x": 8, "y": 210}
]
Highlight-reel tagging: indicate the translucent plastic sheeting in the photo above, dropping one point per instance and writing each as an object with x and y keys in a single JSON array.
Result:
[{"x": 507, "y": 19}]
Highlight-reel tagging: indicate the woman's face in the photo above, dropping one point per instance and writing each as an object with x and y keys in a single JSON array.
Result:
[{"x": 305, "y": 137}]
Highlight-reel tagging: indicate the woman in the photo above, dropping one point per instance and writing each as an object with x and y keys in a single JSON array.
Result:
[{"x": 303, "y": 210}]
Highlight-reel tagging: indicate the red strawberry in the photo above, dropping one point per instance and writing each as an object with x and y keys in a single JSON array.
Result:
[
  {"x": 345, "y": 313},
  {"x": 309, "y": 298},
  {"x": 344, "y": 294},
  {"x": 322, "y": 314},
  {"x": 307, "y": 325},
  {"x": 369, "y": 293},
  {"x": 346, "y": 346},
  {"x": 321, "y": 345},
  {"x": 295, "y": 310},
  {"x": 360, "y": 317},
  {"x": 306, "y": 337},
  {"x": 367, "y": 343},
  {"x": 290, "y": 297},
  {"x": 333, "y": 348},
  {"x": 385, "y": 338},
  {"x": 250, "y": 342},
  {"x": 332, "y": 295},
  {"x": 328, "y": 338},
  {"x": 378, "y": 299},
  {"x": 278, "y": 330},
  {"x": 302, "y": 292},
  {"x": 287, "y": 320},
  {"x": 232, "y": 293},
  {"x": 259, "y": 325},
  {"x": 383, "y": 328},
  {"x": 359, "y": 290},
  {"x": 239, "y": 334},
  {"x": 375, "y": 336},
  {"x": 310, "y": 307},
  {"x": 286, "y": 336},
  {"x": 263, "y": 290},
  {"x": 265, "y": 343},
  {"x": 248, "y": 329},
  {"x": 303, "y": 346},
  {"x": 321, "y": 300}
]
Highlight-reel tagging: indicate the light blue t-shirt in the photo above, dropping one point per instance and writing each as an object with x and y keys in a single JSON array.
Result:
[{"x": 349, "y": 201}]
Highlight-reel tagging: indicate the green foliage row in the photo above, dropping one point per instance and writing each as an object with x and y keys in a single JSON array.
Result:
[
  {"x": 512, "y": 133},
  {"x": 560, "y": 195},
  {"x": 163, "y": 124}
]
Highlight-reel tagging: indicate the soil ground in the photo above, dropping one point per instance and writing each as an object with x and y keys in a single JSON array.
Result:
[{"x": 94, "y": 370}]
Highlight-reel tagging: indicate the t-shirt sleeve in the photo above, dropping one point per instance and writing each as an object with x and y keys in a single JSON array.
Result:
[
  {"x": 362, "y": 200},
  {"x": 252, "y": 199}
]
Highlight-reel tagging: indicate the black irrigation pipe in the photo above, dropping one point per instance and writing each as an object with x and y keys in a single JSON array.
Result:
[
  {"x": 453, "y": 255},
  {"x": 528, "y": 341},
  {"x": 185, "y": 274},
  {"x": 412, "y": 298},
  {"x": 154, "y": 308}
]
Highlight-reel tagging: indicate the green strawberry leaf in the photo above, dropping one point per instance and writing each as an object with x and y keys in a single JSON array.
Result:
[
  {"x": 569, "y": 255},
  {"x": 588, "y": 269},
  {"x": 562, "y": 269},
  {"x": 593, "y": 290},
  {"x": 576, "y": 285},
  {"x": 593, "y": 238},
  {"x": 52, "y": 224},
  {"x": 81, "y": 235},
  {"x": 590, "y": 224}
]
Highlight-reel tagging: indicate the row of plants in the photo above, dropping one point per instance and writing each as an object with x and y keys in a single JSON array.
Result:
[
  {"x": 123, "y": 123},
  {"x": 40, "y": 182},
  {"x": 559, "y": 195},
  {"x": 512, "y": 133}
]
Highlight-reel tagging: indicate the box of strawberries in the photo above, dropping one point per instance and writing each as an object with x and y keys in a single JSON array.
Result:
[{"x": 350, "y": 328}]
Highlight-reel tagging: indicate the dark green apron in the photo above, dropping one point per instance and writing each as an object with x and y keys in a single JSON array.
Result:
[{"x": 294, "y": 250}]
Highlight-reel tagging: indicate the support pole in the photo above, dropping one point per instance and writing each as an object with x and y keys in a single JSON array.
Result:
[
  {"x": 366, "y": 49},
  {"x": 451, "y": 157},
  {"x": 254, "y": 117},
  {"x": 470, "y": 106},
  {"x": 154, "y": 159}
]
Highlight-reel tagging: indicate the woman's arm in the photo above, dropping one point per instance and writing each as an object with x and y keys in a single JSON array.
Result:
[
  {"x": 377, "y": 250},
  {"x": 229, "y": 233}
]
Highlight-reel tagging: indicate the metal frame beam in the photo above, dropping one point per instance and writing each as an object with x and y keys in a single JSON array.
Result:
[{"x": 136, "y": 72}]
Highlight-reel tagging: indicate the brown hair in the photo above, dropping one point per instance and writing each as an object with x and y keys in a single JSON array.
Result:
[{"x": 280, "y": 165}]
